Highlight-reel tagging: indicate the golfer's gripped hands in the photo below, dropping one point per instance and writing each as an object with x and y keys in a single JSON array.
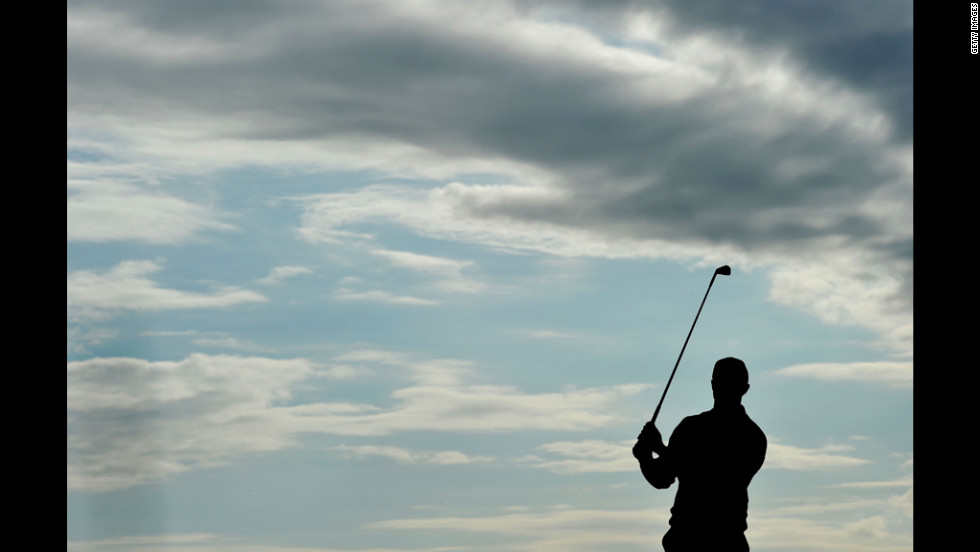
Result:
[{"x": 649, "y": 440}]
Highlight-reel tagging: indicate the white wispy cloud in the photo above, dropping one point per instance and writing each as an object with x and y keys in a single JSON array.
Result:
[
  {"x": 591, "y": 456},
  {"x": 228, "y": 343},
  {"x": 145, "y": 542},
  {"x": 850, "y": 288},
  {"x": 595, "y": 456},
  {"x": 127, "y": 287},
  {"x": 792, "y": 533},
  {"x": 893, "y": 374},
  {"x": 109, "y": 211},
  {"x": 478, "y": 408},
  {"x": 346, "y": 371},
  {"x": 901, "y": 482},
  {"x": 904, "y": 503},
  {"x": 444, "y": 457},
  {"x": 551, "y": 530},
  {"x": 837, "y": 523},
  {"x": 639, "y": 529},
  {"x": 169, "y": 333},
  {"x": 873, "y": 527},
  {"x": 379, "y": 296},
  {"x": 81, "y": 337},
  {"x": 280, "y": 273},
  {"x": 788, "y": 457},
  {"x": 424, "y": 263},
  {"x": 210, "y": 542},
  {"x": 549, "y": 334},
  {"x": 447, "y": 271}
]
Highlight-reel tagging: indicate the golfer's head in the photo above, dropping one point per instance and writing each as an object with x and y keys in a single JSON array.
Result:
[{"x": 730, "y": 378}]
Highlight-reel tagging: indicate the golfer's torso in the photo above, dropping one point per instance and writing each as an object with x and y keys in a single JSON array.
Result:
[{"x": 716, "y": 455}]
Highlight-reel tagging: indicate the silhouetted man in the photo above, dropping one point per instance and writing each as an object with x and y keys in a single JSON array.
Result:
[{"x": 714, "y": 456}]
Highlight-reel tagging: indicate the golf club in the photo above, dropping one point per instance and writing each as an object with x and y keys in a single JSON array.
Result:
[{"x": 724, "y": 271}]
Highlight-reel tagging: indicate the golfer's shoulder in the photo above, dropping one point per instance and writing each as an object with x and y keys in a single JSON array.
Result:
[
  {"x": 755, "y": 431},
  {"x": 696, "y": 421}
]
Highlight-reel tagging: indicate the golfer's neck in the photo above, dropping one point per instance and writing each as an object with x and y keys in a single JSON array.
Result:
[{"x": 721, "y": 404}]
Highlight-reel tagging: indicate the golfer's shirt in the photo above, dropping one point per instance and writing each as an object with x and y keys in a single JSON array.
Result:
[{"x": 714, "y": 456}]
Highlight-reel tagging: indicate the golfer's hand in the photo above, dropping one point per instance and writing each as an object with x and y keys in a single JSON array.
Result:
[
  {"x": 641, "y": 452},
  {"x": 650, "y": 439}
]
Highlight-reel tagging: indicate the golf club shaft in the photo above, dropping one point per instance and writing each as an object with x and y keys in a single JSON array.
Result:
[{"x": 676, "y": 364}]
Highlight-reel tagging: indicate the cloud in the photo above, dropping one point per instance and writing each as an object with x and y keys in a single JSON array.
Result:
[
  {"x": 345, "y": 371},
  {"x": 424, "y": 263},
  {"x": 908, "y": 463},
  {"x": 144, "y": 541},
  {"x": 280, "y": 273},
  {"x": 107, "y": 212},
  {"x": 846, "y": 291},
  {"x": 837, "y": 283},
  {"x": 603, "y": 457},
  {"x": 549, "y": 334},
  {"x": 594, "y": 529},
  {"x": 168, "y": 333},
  {"x": 904, "y": 503},
  {"x": 587, "y": 457},
  {"x": 375, "y": 356},
  {"x": 441, "y": 458},
  {"x": 551, "y": 530},
  {"x": 210, "y": 542},
  {"x": 133, "y": 421},
  {"x": 649, "y": 132},
  {"x": 379, "y": 296},
  {"x": 447, "y": 270},
  {"x": 788, "y": 457},
  {"x": 126, "y": 287},
  {"x": 79, "y": 338},
  {"x": 228, "y": 343},
  {"x": 868, "y": 528},
  {"x": 787, "y": 533},
  {"x": 564, "y": 528},
  {"x": 903, "y": 482},
  {"x": 484, "y": 408},
  {"x": 867, "y": 46},
  {"x": 892, "y": 374}
]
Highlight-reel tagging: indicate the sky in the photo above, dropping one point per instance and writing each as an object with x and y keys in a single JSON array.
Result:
[{"x": 409, "y": 276}]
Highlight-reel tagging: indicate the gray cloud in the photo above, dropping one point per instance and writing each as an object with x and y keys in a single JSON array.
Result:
[
  {"x": 133, "y": 421},
  {"x": 783, "y": 138},
  {"x": 700, "y": 170},
  {"x": 866, "y": 44}
]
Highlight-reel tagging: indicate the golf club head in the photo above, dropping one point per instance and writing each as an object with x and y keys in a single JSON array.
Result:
[{"x": 724, "y": 270}]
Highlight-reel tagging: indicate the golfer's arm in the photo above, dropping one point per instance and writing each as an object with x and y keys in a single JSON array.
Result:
[{"x": 658, "y": 471}]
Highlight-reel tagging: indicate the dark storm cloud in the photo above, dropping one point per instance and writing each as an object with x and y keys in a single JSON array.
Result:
[
  {"x": 865, "y": 43},
  {"x": 708, "y": 157}
]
